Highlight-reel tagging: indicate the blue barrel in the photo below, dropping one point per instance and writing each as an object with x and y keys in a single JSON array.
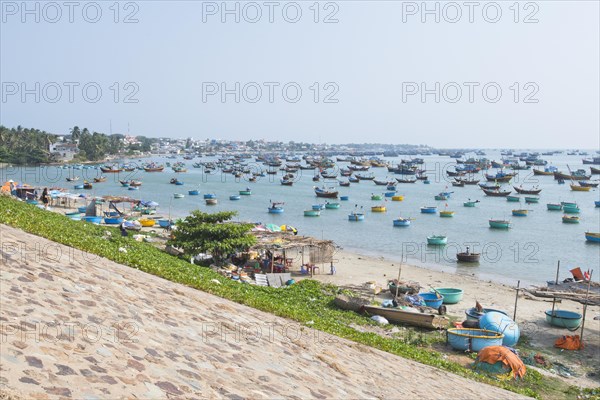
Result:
[{"x": 501, "y": 323}]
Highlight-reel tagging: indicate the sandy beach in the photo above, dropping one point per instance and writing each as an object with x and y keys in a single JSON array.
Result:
[{"x": 89, "y": 330}]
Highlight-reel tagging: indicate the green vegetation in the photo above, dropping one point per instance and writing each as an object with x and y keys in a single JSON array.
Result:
[
  {"x": 211, "y": 233},
  {"x": 308, "y": 302}
]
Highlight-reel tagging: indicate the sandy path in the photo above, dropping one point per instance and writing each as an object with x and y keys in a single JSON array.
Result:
[{"x": 83, "y": 327}]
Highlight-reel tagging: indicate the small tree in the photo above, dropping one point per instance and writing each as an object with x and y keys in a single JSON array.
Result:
[{"x": 212, "y": 233}]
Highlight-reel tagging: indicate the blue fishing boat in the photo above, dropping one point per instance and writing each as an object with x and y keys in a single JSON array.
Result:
[
  {"x": 437, "y": 240},
  {"x": 78, "y": 187},
  {"x": 355, "y": 216},
  {"x": 276, "y": 208},
  {"x": 597, "y": 203},
  {"x": 571, "y": 209},
  {"x": 390, "y": 194},
  {"x": 520, "y": 213},
  {"x": 312, "y": 213},
  {"x": 235, "y": 197},
  {"x": 318, "y": 207},
  {"x": 332, "y": 206},
  {"x": 391, "y": 187},
  {"x": 530, "y": 200},
  {"x": 470, "y": 203},
  {"x": 193, "y": 192},
  {"x": 133, "y": 188},
  {"x": 428, "y": 210},
  {"x": 592, "y": 237},
  {"x": 113, "y": 220},
  {"x": 426, "y": 182},
  {"x": 513, "y": 199},
  {"x": 344, "y": 198},
  {"x": 402, "y": 222},
  {"x": 210, "y": 196},
  {"x": 499, "y": 224},
  {"x": 554, "y": 206},
  {"x": 467, "y": 339},
  {"x": 165, "y": 223}
]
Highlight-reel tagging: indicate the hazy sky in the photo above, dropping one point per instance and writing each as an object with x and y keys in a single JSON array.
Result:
[{"x": 372, "y": 73}]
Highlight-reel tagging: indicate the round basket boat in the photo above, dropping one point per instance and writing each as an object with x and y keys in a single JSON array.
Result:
[
  {"x": 563, "y": 319},
  {"x": 432, "y": 300},
  {"x": 467, "y": 339},
  {"x": 451, "y": 295}
]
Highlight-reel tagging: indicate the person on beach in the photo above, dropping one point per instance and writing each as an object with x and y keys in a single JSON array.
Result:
[
  {"x": 45, "y": 198},
  {"x": 123, "y": 230},
  {"x": 13, "y": 188}
]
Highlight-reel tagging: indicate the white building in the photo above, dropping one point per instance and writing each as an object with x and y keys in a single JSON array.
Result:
[{"x": 64, "y": 151}]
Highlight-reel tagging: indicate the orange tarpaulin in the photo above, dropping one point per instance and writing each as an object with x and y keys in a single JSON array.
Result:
[
  {"x": 6, "y": 187},
  {"x": 494, "y": 354},
  {"x": 569, "y": 342}
]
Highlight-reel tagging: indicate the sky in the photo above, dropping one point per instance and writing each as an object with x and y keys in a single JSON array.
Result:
[{"x": 446, "y": 74}]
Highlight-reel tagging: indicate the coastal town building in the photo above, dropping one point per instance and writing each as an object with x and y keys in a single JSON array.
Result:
[{"x": 63, "y": 151}]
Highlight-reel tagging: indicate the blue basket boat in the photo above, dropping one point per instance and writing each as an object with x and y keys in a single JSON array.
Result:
[
  {"x": 428, "y": 210},
  {"x": 235, "y": 197},
  {"x": 82, "y": 209},
  {"x": 113, "y": 221},
  {"x": 210, "y": 196},
  {"x": 193, "y": 192},
  {"x": 92, "y": 219},
  {"x": 564, "y": 319},
  {"x": 164, "y": 223},
  {"x": 356, "y": 216},
  {"x": 467, "y": 339},
  {"x": 390, "y": 194},
  {"x": 432, "y": 300},
  {"x": 402, "y": 222}
]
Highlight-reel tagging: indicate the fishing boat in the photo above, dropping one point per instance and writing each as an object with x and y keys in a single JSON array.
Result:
[
  {"x": 578, "y": 175},
  {"x": 73, "y": 179},
  {"x": 440, "y": 197},
  {"x": 344, "y": 198},
  {"x": 520, "y": 213},
  {"x": 594, "y": 171},
  {"x": 178, "y": 196},
  {"x": 496, "y": 193},
  {"x": 276, "y": 208},
  {"x": 467, "y": 256},
  {"x": 380, "y": 183},
  {"x": 113, "y": 169},
  {"x": 554, "y": 206},
  {"x": 286, "y": 182},
  {"x": 397, "y": 198},
  {"x": 363, "y": 177},
  {"x": 246, "y": 192},
  {"x": 391, "y": 187},
  {"x": 426, "y": 182},
  {"x": 592, "y": 237},
  {"x": 446, "y": 214},
  {"x": 467, "y": 181},
  {"x": 389, "y": 194},
  {"x": 470, "y": 203},
  {"x": 211, "y": 202},
  {"x": 353, "y": 179},
  {"x": 428, "y": 210},
  {"x": 527, "y": 191},
  {"x": 210, "y": 196},
  {"x": 332, "y": 206},
  {"x": 577, "y": 188},
  {"x": 530, "y": 200},
  {"x": 194, "y": 192},
  {"x": 147, "y": 223},
  {"x": 495, "y": 186},
  {"x": 458, "y": 184},
  {"x": 87, "y": 185},
  {"x": 545, "y": 172},
  {"x": 402, "y": 222},
  {"x": 437, "y": 240},
  {"x": 597, "y": 203},
  {"x": 318, "y": 207},
  {"x": 470, "y": 339},
  {"x": 159, "y": 168},
  {"x": 344, "y": 183},
  {"x": 400, "y": 180},
  {"x": 376, "y": 197},
  {"x": 235, "y": 197},
  {"x": 379, "y": 208},
  {"x": 500, "y": 177},
  {"x": 499, "y": 223},
  {"x": 356, "y": 216},
  {"x": 569, "y": 209},
  {"x": 133, "y": 188},
  {"x": 312, "y": 213},
  {"x": 400, "y": 316},
  {"x": 514, "y": 199},
  {"x": 589, "y": 184},
  {"x": 327, "y": 193},
  {"x": 570, "y": 219},
  {"x": 100, "y": 179}
]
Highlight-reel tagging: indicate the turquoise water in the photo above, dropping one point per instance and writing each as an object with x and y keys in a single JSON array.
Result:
[{"x": 528, "y": 251}]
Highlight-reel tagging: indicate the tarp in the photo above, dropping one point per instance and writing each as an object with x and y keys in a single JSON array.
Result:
[{"x": 490, "y": 356}]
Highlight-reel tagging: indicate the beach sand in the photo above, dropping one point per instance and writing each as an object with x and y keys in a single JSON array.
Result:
[
  {"x": 79, "y": 326},
  {"x": 353, "y": 270}
]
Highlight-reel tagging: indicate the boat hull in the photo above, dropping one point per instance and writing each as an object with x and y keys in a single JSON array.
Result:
[
  {"x": 592, "y": 237},
  {"x": 401, "y": 222},
  {"x": 563, "y": 319},
  {"x": 474, "y": 340},
  {"x": 397, "y": 316},
  {"x": 468, "y": 257},
  {"x": 499, "y": 224}
]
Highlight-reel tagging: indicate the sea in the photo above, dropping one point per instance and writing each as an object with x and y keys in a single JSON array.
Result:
[{"x": 528, "y": 252}]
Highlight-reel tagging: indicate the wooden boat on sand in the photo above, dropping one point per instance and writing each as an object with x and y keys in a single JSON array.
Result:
[{"x": 399, "y": 316}]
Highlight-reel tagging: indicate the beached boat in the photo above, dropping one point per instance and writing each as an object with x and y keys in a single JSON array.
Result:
[
  {"x": 356, "y": 216},
  {"x": 403, "y": 287},
  {"x": 92, "y": 219},
  {"x": 470, "y": 203},
  {"x": 113, "y": 220},
  {"x": 312, "y": 213},
  {"x": 499, "y": 223},
  {"x": 332, "y": 206},
  {"x": 570, "y": 219},
  {"x": 451, "y": 295},
  {"x": 496, "y": 193},
  {"x": 428, "y": 210},
  {"x": 520, "y": 213},
  {"x": 327, "y": 193},
  {"x": 592, "y": 237},
  {"x": 530, "y": 200},
  {"x": 470, "y": 339},
  {"x": 437, "y": 240},
  {"x": 402, "y": 222},
  {"x": 211, "y": 202},
  {"x": 178, "y": 196},
  {"x": 147, "y": 223},
  {"x": 527, "y": 191},
  {"x": 165, "y": 223},
  {"x": 577, "y": 188},
  {"x": 446, "y": 214},
  {"x": 400, "y": 316},
  {"x": 380, "y": 208},
  {"x": 564, "y": 319},
  {"x": 554, "y": 206},
  {"x": 397, "y": 198}
]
